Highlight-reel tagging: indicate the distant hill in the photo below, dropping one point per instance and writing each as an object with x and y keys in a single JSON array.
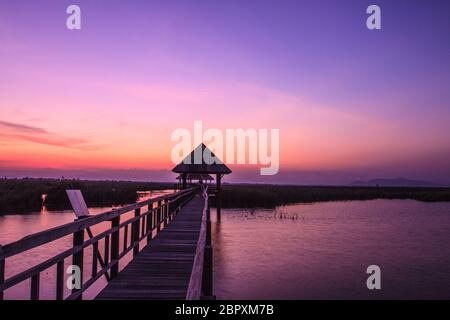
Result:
[{"x": 398, "y": 182}]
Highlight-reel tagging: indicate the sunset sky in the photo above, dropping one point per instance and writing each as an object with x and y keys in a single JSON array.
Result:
[{"x": 350, "y": 103}]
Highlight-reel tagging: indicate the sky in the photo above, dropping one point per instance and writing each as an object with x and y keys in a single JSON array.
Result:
[{"x": 102, "y": 102}]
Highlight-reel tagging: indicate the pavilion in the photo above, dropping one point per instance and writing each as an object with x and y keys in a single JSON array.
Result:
[{"x": 187, "y": 168}]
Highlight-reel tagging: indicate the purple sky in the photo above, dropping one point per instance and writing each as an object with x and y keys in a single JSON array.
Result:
[{"x": 350, "y": 103}]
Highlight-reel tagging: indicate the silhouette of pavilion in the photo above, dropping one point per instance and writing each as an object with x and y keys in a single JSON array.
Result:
[{"x": 188, "y": 168}]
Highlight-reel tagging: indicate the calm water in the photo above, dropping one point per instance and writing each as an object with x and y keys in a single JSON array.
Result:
[
  {"x": 322, "y": 251},
  {"x": 300, "y": 251}
]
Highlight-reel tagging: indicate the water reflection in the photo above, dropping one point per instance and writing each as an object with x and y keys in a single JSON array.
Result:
[
  {"x": 322, "y": 250},
  {"x": 305, "y": 251}
]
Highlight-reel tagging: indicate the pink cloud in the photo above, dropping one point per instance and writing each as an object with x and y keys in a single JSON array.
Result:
[{"x": 17, "y": 131}]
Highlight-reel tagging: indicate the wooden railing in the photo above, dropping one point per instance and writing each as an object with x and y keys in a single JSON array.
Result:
[
  {"x": 143, "y": 225},
  {"x": 200, "y": 282}
]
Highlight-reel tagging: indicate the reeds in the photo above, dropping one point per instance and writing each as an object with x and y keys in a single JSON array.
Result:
[
  {"x": 270, "y": 196},
  {"x": 25, "y": 195}
]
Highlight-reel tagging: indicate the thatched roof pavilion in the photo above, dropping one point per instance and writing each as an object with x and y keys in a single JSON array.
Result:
[{"x": 187, "y": 166}]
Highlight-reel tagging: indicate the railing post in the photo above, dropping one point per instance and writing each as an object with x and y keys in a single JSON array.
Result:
[
  {"x": 175, "y": 207},
  {"x": 169, "y": 209},
  {"x": 135, "y": 232},
  {"x": 2, "y": 273},
  {"x": 158, "y": 216},
  {"x": 144, "y": 221},
  {"x": 35, "y": 284},
  {"x": 150, "y": 222},
  {"x": 163, "y": 206},
  {"x": 106, "y": 249},
  {"x": 115, "y": 247},
  {"x": 218, "y": 205},
  {"x": 95, "y": 257},
  {"x": 77, "y": 258},
  {"x": 60, "y": 280},
  {"x": 167, "y": 212},
  {"x": 164, "y": 212}
]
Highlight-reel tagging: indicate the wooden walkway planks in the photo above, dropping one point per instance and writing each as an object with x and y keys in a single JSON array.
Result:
[{"x": 163, "y": 268}]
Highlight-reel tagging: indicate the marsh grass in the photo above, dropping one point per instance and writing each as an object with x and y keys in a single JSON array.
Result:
[
  {"x": 25, "y": 195},
  {"x": 270, "y": 196}
]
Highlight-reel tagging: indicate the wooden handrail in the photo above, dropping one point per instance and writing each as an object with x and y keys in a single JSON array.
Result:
[
  {"x": 194, "y": 291},
  {"x": 43, "y": 237}
]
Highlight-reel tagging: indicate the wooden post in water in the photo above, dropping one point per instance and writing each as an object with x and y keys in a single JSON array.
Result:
[
  {"x": 218, "y": 205},
  {"x": 207, "y": 281},
  {"x": 2, "y": 273},
  {"x": 218, "y": 197},
  {"x": 208, "y": 225},
  {"x": 77, "y": 259}
]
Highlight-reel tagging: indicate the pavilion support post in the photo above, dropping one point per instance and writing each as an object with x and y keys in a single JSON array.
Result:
[
  {"x": 218, "y": 182},
  {"x": 184, "y": 178}
]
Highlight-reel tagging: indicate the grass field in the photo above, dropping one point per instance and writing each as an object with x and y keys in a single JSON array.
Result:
[
  {"x": 269, "y": 196},
  {"x": 25, "y": 195}
]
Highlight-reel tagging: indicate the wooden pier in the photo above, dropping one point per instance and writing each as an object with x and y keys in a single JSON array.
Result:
[
  {"x": 170, "y": 242},
  {"x": 163, "y": 270}
]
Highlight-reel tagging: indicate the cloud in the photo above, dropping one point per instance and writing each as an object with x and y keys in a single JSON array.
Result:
[
  {"x": 21, "y": 127},
  {"x": 17, "y": 131}
]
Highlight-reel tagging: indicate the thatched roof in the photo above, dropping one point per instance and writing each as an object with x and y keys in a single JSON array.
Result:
[
  {"x": 190, "y": 167},
  {"x": 197, "y": 176}
]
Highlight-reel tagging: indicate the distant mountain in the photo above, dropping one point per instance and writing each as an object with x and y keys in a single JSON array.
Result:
[{"x": 398, "y": 182}]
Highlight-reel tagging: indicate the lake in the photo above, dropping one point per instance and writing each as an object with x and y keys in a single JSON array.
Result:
[{"x": 304, "y": 251}]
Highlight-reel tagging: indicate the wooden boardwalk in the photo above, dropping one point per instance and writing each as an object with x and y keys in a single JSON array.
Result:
[{"x": 162, "y": 270}]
